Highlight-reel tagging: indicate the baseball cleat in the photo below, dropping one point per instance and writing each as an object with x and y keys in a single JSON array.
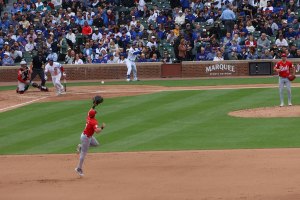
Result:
[
  {"x": 290, "y": 104},
  {"x": 79, "y": 171},
  {"x": 282, "y": 104},
  {"x": 78, "y": 149},
  {"x": 128, "y": 80}
]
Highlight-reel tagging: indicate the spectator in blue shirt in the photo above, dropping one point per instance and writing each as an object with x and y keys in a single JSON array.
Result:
[
  {"x": 7, "y": 60},
  {"x": 161, "y": 18},
  {"x": 201, "y": 55},
  {"x": 228, "y": 17},
  {"x": 184, "y": 4},
  {"x": 190, "y": 16},
  {"x": 252, "y": 55}
]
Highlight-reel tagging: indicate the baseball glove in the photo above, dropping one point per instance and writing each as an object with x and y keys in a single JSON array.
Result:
[
  {"x": 97, "y": 100},
  {"x": 291, "y": 77}
]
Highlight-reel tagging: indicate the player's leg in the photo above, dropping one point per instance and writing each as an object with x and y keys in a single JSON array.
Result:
[
  {"x": 85, "y": 143},
  {"x": 129, "y": 68},
  {"x": 94, "y": 142},
  {"x": 43, "y": 81},
  {"x": 59, "y": 87},
  {"x": 33, "y": 75},
  {"x": 289, "y": 91},
  {"x": 134, "y": 70},
  {"x": 281, "y": 86},
  {"x": 21, "y": 88}
]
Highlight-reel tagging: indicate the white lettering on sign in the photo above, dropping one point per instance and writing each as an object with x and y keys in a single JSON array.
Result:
[{"x": 223, "y": 69}]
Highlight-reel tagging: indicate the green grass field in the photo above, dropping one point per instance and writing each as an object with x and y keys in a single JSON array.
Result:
[{"x": 179, "y": 120}]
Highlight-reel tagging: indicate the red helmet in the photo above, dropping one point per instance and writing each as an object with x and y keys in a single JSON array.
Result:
[{"x": 92, "y": 113}]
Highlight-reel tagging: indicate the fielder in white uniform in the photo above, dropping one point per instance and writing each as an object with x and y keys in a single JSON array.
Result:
[
  {"x": 56, "y": 70},
  {"x": 130, "y": 62}
]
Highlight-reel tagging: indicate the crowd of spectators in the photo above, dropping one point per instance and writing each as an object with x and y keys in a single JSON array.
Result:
[{"x": 100, "y": 31}]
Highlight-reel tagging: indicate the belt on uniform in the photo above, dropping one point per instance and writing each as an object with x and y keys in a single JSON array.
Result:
[{"x": 86, "y": 135}]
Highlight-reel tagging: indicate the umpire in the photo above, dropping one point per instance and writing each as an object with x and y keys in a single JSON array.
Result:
[{"x": 37, "y": 69}]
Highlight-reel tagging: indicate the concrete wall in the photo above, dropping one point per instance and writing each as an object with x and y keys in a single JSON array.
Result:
[{"x": 152, "y": 70}]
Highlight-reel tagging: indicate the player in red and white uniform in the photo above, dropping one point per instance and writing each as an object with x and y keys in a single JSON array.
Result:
[
  {"x": 87, "y": 138},
  {"x": 56, "y": 70},
  {"x": 23, "y": 78},
  {"x": 284, "y": 68}
]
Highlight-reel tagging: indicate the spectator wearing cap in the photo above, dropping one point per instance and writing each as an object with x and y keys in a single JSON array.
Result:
[
  {"x": 52, "y": 54},
  {"x": 96, "y": 36},
  {"x": 133, "y": 21},
  {"x": 228, "y": 17},
  {"x": 152, "y": 42},
  {"x": 7, "y": 60},
  {"x": 180, "y": 19}
]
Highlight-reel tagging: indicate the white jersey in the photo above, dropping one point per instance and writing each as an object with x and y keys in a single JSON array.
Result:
[
  {"x": 132, "y": 54},
  {"x": 54, "y": 70}
]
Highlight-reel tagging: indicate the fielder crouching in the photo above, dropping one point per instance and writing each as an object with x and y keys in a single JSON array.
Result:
[{"x": 23, "y": 78}]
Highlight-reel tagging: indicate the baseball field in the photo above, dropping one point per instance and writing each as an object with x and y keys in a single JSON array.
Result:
[{"x": 165, "y": 139}]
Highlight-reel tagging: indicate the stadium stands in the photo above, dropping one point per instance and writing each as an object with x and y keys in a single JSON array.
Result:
[{"x": 201, "y": 23}]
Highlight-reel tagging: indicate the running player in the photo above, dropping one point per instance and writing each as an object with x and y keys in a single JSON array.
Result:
[
  {"x": 284, "y": 68},
  {"x": 87, "y": 138},
  {"x": 56, "y": 70}
]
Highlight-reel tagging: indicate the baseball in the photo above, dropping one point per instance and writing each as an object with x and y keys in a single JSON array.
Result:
[{"x": 102, "y": 82}]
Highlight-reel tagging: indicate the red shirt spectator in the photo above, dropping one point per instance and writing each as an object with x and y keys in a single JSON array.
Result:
[
  {"x": 251, "y": 42},
  {"x": 86, "y": 29}
]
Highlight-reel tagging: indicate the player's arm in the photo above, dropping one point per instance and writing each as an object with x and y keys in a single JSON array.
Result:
[
  {"x": 99, "y": 129},
  {"x": 276, "y": 68}
]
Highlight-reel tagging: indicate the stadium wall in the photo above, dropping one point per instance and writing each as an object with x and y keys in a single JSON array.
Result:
[{"x": 159, "y": 70}]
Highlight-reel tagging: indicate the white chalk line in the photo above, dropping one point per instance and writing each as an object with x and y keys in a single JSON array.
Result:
[{"x": 21, "y": 104}]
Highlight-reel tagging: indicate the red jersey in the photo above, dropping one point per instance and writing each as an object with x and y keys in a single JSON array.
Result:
[
  {"x": 284, "y": 68},
  {"x": 87, "y": 30},
  {"x": 90, "y": 127},
  {"x": 23, "y": 75}
]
